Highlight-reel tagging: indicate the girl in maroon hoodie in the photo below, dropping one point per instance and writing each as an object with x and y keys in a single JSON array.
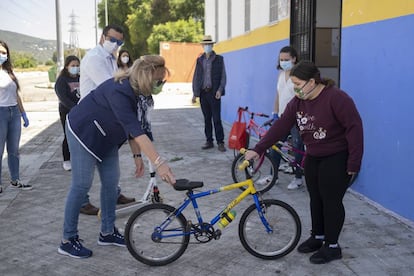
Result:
[{"x": 331, "y": 129}]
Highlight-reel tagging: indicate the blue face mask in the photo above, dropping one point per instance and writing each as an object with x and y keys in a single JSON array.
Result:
[
  {"x": 208, "y": 48},
  {"x": 3, "y": 58},
  {"x": 74, "y": 70},
  {"x": 286, "y": 64}
]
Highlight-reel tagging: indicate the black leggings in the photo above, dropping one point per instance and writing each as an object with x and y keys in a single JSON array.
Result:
[{"x": 327, "y": 181}]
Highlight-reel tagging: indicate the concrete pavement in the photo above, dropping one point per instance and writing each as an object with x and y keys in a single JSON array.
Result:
[{"x": 373, "y": 241}]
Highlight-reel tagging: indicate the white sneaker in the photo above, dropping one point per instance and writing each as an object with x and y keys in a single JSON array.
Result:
[
  {"x": 264, "y": 180},
  {"x": 283, "y": 167},
  {"x": 67, "y": 166},
  {"x": 288, "y": 170},
  {"x": 296, "y": 183}
]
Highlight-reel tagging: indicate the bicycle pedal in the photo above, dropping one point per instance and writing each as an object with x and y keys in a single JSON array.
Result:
[{"x": 217, "y": 234}]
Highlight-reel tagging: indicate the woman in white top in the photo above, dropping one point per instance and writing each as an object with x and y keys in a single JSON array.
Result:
[
  {"x": 287, "y": 58},
  {"x": 11, "y": 109}
]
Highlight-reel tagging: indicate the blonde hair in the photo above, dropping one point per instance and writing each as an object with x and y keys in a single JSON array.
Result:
[{"x": 143, "y": 72}]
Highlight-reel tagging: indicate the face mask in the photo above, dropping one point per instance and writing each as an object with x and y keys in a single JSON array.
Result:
[
  {"x": 125, "y": 59},
  {"x": 208, "y": 48},
  {"x": 109, "y": 46},
  {"x": 157, "y": 88},
  {"x": 302, "y": 95},
  {"x": 74, "y": 70},
  {"x": 286, "y": 64},
  {"x": 3, "y": 58}
]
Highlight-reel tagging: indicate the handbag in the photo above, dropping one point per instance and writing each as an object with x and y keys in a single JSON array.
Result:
[{"x": 238, "y": 133}]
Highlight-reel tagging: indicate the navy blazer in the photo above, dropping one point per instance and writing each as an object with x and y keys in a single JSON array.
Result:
[{"x": 106, "y": 118}]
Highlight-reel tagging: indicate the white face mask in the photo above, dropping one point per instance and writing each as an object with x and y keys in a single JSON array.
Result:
[
  {"x": 125, "y": 59},
  {"x": 3, "y": 58},
  {"x": 109, "y": 46},
  {"x": 74, "y": 70},
  {"x": 208, "y": 48},
  {"x": 286, "y": 64}
]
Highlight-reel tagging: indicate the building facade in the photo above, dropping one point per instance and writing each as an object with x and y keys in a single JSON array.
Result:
[{"x": 365, "y": 45}]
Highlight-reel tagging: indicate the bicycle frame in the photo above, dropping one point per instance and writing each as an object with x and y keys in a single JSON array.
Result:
[
  {"x": 192, "y": 198},
  {"x": 287, "y": 157}
]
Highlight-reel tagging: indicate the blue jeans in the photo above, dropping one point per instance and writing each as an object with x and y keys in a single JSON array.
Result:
[
  {"x": 83, "y": 168},
  {"x": 296, "y": 143},
  {"x": 10, "y": 131}
]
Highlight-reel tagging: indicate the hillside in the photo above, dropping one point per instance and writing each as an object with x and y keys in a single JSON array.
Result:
[{"x": 41, "y": 49}]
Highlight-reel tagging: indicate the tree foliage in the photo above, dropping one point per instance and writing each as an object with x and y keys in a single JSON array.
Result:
[
  {"x": 23, "y": 60},
  {"x": 147, "y": 22},
  {"x": 178, "y": 31}
]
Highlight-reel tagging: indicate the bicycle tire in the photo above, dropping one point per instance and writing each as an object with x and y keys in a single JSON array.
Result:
[
  {"x": 140, "y": 234},
  {"x": 286, "y": 227},
  {"x": 264, "y": 172}
]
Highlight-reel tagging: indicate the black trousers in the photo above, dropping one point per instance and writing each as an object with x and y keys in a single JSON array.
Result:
[
  {"x": 211, "y": 108},
  {"x": 327, "y": 181},
  {"x": 65, "y": 148}
]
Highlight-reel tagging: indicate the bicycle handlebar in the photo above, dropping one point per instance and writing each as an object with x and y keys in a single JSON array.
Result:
[{"x": 252, "y": 114}]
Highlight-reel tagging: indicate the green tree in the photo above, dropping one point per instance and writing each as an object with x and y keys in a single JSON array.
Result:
[
  {"x": 137, "y": 17},
  {"x": 23, "y": 60},
  {"x": 180, "y": 31}
]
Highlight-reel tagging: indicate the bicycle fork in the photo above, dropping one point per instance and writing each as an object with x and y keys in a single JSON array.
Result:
[{"x": 261, "y": 210}]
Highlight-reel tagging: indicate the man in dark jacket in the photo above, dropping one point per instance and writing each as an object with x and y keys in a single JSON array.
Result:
[{"x": 208, "y": 83}]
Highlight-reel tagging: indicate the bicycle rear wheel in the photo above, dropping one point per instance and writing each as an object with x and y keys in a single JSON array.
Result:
[
  {"x": 263, "y": 174},
  {"x": 284, "y": 222},
  {"x": 148, "y": 243}
]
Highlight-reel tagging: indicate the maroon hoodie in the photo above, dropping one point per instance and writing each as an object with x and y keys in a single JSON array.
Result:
[{"x": 328, "y": 124}]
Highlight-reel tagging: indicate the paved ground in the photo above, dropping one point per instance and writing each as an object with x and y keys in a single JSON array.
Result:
[{"x": 373, "y": 242}]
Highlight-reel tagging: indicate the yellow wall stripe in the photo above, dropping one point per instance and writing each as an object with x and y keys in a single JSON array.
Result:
[
  {"x": 256, "y": 37},
  {"x": 356, "y": 12}
]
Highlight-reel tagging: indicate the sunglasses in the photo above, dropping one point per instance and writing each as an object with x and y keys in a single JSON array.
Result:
[
  {"x": 113, "y": 39},
  {"x": 160, "y": 82}
]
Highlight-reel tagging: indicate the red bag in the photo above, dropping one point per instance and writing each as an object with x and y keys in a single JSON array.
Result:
[{"x": 238, "y": 134}]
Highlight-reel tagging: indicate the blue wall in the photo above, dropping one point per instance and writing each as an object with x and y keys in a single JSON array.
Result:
[
  {"x": 251, "y": 79},
  {"x": 377, "y": 70}
]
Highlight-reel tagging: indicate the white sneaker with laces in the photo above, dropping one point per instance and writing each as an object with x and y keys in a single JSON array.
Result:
[
  {"x": 264, "y": 180},
  {"x": 67, "y": 166},
  {"x": 296, "y": 183}
]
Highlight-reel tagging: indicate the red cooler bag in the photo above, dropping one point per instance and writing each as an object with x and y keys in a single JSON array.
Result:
[{"x": 238, "y": 135}]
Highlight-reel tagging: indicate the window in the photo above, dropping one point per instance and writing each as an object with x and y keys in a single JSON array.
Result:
[
  {"x": 246, "y": 15},
  {"x": 273, "y": 15}
]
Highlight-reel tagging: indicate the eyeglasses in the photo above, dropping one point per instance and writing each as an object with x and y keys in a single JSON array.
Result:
[
  {"x": 160, "y": 82},
  {"x": 113, "y": 39}
]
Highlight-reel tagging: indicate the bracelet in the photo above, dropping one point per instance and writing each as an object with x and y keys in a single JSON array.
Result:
[{"x": 137, "y": 155}]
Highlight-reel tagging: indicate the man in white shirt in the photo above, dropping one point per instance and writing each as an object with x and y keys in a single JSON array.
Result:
[{"x": 98, "y": 65}]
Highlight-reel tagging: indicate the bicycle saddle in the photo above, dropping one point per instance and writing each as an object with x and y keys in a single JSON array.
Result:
[{"x": 185, "y": 184}]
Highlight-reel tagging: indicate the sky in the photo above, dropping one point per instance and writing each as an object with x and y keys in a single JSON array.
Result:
[{"x": 38, "y": 18}]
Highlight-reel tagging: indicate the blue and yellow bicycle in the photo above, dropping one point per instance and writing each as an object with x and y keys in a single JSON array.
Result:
[{"x": 158, "y": 234}]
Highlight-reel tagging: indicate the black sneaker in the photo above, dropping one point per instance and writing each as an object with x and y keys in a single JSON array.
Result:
[
  {"x": 19, "y": 185},
  {"x": 310, "y": 245},
  {"x": 74, "y": 249},
  {"x": 326, "y": 254},
  {"x": 112, "y": 239}
]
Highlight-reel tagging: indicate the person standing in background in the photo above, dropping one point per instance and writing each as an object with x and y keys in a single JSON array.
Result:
[
  {"x": 11, "y": 112},
  {"x": 288, "y": 57},
  {"x": 67, "y": 90},
  {"x": 99, "y": 65},
  {"x": 209, "y": 81},
  {"x": 124, "y": 60}
]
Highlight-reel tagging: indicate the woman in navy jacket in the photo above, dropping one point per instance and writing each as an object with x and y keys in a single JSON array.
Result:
[{"x": 96, "y": 128}]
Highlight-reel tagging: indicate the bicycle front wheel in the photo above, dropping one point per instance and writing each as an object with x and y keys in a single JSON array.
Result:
[
  {"x": 285, "y": 225},
  {"x": 263, "y": 172},
  {"x": 152, "y": 244}
]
